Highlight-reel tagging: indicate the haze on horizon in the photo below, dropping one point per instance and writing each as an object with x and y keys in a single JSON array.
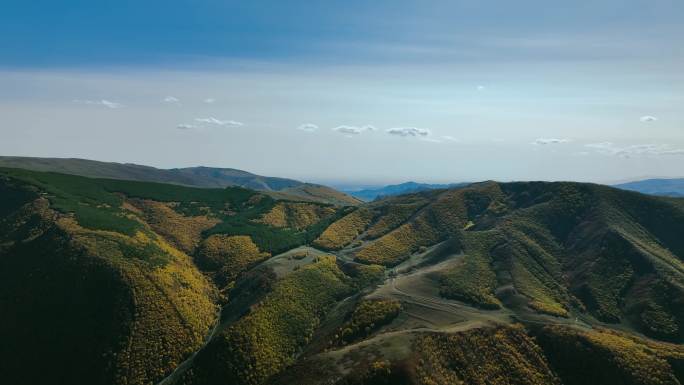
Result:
[{"x": 351, "y": 92}]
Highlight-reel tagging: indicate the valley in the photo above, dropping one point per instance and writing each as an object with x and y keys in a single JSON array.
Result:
[
  {"x": 342, "y": 193},
  {"x": 233, "y": 286}
]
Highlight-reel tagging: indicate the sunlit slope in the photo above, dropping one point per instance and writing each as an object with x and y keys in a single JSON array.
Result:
[
  {"x": 495, "y": 355},
  {"x": 117, "y": 282},
  {"x": 99, "y": 279},
  {"x": 489, "y": 284},
  {"x": 555, "y": 247}
]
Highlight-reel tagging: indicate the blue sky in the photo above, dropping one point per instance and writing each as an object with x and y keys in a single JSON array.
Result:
[
  {"x": 354, "y": 91},
  {"x": 183, "y": 33}
]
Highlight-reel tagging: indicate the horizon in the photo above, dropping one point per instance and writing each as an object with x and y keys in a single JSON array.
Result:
[
  {"x": 435, "y": 192},
  {"x": 352, "y": 92},
  {"x": 353, "y": 186}
]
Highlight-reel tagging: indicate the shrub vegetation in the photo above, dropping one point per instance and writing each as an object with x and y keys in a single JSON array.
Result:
[{"x": 345, "y": 230}]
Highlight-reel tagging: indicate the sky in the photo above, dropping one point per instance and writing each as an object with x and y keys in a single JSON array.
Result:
[{"x": 351, "y": 92}]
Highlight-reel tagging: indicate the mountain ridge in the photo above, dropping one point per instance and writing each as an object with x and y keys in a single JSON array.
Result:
[
  {"x": 371, "y": 194},
  {"x": 492, "y": 283},
  {"x": 673, "y": 187},
  {"x": 200, "y": 176}
]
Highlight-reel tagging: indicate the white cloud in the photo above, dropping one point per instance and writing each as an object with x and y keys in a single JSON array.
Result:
[
  {"x": 354, "y": 130},
  {"x": 480, "y": 88},
  {"x": 207, "y": 122},
  {"x": 218, "y": 122},
  {"x": 545, "y": 141},
  {"x": 601, "y": 147},
  {"x": 408, "y": 131},
  {"x": 648, "y": 118},
  {"x": 171, "y": 99},
  {"x": 308, "y": 127},
  {"x": 102, "y": 102},
  {"x": 450, "y": 138},
  {"x": 608, "y": 148},
  {"x": 209, "y": 100}
]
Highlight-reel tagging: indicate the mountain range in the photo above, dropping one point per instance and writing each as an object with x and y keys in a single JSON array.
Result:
[
  {"x": 116, "y": 281},
  {"x": 368, "y": 195},
  {"x": 190, "y": 176},
  {"x": 664, "y": 187}
]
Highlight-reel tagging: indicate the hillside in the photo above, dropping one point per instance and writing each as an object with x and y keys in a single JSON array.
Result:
[
  {"x": 519, "y": 283},
  {"x": 192, "y": 176},
  {"x": 662, "y": 187},
  {"x": 118, "y": 282},
  {"x": 108, "y": 281},
  {"x": 368, "y": 195}
]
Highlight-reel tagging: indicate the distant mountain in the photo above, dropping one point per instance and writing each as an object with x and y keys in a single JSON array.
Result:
[
  {"x": 662, "y": 187},
  {"x": 398, "y": 189},
  {"x": 190, "y": 176}
]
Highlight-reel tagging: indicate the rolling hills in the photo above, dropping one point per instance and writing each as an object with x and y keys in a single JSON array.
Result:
[
  {"x": 108, "y": 281},
  {"x": 100, "y": 277},
  {"x": 191, "y": 176}
]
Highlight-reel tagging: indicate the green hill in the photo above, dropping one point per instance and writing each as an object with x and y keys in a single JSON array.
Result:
[
  {"x": 99, "y": 281},
  {"x": 209, "y": 177},
  {"x": 106, "y": 281}
]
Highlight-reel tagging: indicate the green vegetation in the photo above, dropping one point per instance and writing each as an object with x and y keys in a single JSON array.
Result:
[
  {"x": 228, "y": 256},
  {"x": 184, "y": 232},
  {"x": 125, "y": 308},
  {"x": 393, "y": 215},
  {"x": 607, "y": 357},
  {"x": 13, "y": 197},
  {"x": 542, "y": 299},
  {"x": 295, "y": 215},
  {"x": 499, "y": 356},
  {"x": 472, "y": 280},
  {"x": 345, "y": 230},
  {"x": 267, "y": 339},
  {"x": 532, "y": 258},
  {"x": 167, "y": 304},
  {"x": 268, "y": 238},
  {"x": 393, "y": 248},
  {"x": 379, "y": 372},
  {"x": 447, "y": 215},
  {"x": 108, "y": 264},
  {"x": 368, "y": 316},
  {"x": 97, "y": 204},
  {"x": 364, "y": 276}
]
